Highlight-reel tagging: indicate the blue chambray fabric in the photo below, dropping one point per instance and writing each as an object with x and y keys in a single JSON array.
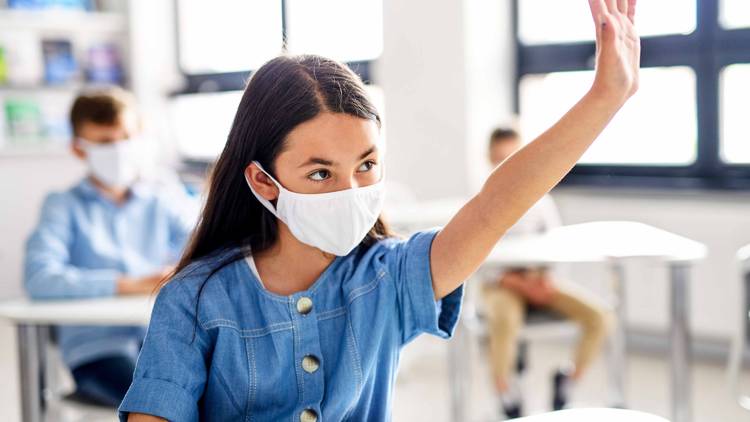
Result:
[
  {"x": 240, "y": 356},
  {"x": 84, "y": 242}
]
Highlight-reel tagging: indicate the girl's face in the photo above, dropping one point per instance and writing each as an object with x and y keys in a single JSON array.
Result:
[{"x": 329, "y": 153}]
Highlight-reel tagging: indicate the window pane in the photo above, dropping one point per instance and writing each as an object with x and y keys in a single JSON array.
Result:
[
  {"x": 656, "y": 127},
  {"x": 735, "y": 126},
  {"x": 227, "y": 35},
  {"x": 346, "y": 30},
  {"x": 560, "y": 21},
  {"x": 735, "y": 13},
  {"x": 201, "y": 122}
]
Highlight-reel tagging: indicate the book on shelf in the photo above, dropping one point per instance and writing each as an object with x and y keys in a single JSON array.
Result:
[
  {"x": 83, "y": 5},
  {"x": 60, "y": 65},
  {"x": 104, "y": 65}
]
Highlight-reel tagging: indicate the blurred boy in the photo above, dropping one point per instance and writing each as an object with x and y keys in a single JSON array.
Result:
[
  {"x": 508, "y": 296},
  {"x": 111, "y": 234}
]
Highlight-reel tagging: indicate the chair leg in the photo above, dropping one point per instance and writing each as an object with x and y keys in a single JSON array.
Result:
[{"x": 523, "y": 355}]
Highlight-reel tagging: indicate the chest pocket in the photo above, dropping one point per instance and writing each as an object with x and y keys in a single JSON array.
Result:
[
  {"x": 273, "y": 385},
  {"x": 277, "y": 384},
  {"x": 342, "y": 366}
]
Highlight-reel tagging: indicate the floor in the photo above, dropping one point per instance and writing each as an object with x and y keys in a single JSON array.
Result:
[{"x": 422, "y": 392}]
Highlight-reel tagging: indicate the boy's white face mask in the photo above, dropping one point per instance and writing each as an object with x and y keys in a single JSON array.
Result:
[
  {"x": 115, "y": 164},
  {"x": 334, "y": 222}
]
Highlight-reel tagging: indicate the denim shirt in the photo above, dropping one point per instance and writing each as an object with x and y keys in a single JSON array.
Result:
[
  {"x": 329, "y": 353},
  {"x": 84, "y": 242}
]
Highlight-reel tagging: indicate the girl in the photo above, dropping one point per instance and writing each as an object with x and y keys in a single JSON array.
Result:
[{"x": 293, "y": 299}]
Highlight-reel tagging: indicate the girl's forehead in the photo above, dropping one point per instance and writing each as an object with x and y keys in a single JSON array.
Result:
[{"x": 333, "y": 136}]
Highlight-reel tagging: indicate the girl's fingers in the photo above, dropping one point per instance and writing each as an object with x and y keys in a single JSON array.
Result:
[
  {"x": 598, "y": 10},
  {"x": 611, "y": 6},
  {"x": 631, "y": 10},
  {"x": 622, "y": 6}
]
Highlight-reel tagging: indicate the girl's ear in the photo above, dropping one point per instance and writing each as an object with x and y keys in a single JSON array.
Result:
[{"x": 260, "y": 182}]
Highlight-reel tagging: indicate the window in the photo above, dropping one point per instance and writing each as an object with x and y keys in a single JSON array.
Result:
[
  {"x": 735, "y": 13},
  {"x": 348, "y": 30},
  {"x": 641, "y": 133},
  {"x": 735, "y": 125},
  {"x": 227, "y": 35},
  {"x": 536, "y": 27},
  {"x": 221, "y": 42},
  {"x": 686, "y": 126},
  {"x": 201, "y": 136}
]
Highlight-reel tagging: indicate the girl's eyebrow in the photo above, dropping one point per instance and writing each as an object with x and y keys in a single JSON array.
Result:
[
  {"x": 315, "y": 160},
  {"x": 322, "y": 161},
  {"x": 368, "y": 152}
]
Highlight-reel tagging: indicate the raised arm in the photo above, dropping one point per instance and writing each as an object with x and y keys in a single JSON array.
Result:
[{"x": 515, "y": 185}]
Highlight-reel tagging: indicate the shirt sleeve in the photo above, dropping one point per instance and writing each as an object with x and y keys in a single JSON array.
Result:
[
  {"x": 171, "y": 372},
  {"x": 48, "y": 273},
  {"x": 409, "y": 267}
]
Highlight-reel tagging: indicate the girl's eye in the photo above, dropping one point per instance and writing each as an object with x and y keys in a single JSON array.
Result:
[
  {"x": 366, "y": 166},
  {"x": 319, "y": 175}
]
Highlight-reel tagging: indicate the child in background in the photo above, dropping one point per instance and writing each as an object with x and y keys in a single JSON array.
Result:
[
  {"x": 111, "y": 234},
  {"x": 516, "y": 289}
]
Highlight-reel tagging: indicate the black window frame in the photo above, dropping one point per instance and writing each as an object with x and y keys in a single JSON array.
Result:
[
  {"x": 235, "y": 81},
  {"x": 708, "y": 50}
]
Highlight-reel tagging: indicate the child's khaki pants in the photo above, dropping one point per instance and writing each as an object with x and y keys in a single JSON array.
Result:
[{"x": 506, "y": 309}]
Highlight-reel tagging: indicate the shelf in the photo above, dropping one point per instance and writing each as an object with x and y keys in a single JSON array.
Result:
[
  {"x": 33, "y": 150},
  {"x": 63, "y": 21},
  {"x": 33, "y": 89}
]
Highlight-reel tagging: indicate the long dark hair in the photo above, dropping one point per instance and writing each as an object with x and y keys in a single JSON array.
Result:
[{"x": 283, "y": 93}]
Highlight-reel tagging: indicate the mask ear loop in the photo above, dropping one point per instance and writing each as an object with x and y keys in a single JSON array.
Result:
[{"x": 265, "y": 202}]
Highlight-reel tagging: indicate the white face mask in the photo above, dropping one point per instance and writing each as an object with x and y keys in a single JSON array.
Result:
[
  {"x": 115, "y": 164},
  {"x": 334, "y": 222}
]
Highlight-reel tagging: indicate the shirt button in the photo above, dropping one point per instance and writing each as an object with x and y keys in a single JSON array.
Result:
[
  {"x": 310, "y": 364},
  {"x": 304, "y": 305},
  {"x": 308, "y": 415}
]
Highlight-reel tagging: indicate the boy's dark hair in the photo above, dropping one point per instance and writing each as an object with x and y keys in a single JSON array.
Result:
[
  {"x": 102, "y": 106},
  {"x": 503, "y": 134}
]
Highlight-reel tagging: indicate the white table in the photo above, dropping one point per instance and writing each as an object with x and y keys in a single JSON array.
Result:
[
  {"x": 33, "y": 320},
  {"x": 599, "y": 242},
  {"x": 594, "y": 415}
]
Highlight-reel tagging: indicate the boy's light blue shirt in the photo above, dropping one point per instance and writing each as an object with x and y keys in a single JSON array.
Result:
[
  {"x": 85, "y": 242},
  {"x": 244, "y": 353}
]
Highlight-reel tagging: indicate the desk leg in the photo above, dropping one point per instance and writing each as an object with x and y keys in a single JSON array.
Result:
[
  {"x": 457, "y": 374},
  {"x": 680, "y": 343},
  {"x": 29, "y": 359},
  {"x": 617, "y": 341}
]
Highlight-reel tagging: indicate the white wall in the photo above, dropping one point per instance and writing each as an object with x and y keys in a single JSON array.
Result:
[
  {"x": 446, "y": 70},
  {"x": 719, "y": 220}
]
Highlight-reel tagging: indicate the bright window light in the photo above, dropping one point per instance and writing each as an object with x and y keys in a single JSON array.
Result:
[{"x": 656, "y": 127}]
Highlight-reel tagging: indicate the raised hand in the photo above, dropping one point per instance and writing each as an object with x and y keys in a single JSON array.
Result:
[
  {"x": 517, "y": 184},
  {"x": 618, "y": 48}
]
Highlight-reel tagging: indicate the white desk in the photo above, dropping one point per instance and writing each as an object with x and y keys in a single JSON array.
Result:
[
  {"x": 599, "y": 242},
  {"x": 33, "y": 320},
  {"x": 594, "y": 415}
]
